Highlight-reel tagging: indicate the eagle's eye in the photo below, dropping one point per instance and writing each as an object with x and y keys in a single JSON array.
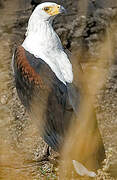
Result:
[{"x": 46, "y": 9}]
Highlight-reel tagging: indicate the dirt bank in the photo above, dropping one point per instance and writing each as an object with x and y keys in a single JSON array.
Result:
[{"x": 82, "y": 30}]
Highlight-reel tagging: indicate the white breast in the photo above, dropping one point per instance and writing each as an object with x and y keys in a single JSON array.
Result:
[{"x": 44, "y": 43}]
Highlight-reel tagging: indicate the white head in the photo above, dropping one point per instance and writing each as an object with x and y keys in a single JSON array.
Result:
[
  {"x": 48, "y": 10},
  {"x": 43, "y": 42}
]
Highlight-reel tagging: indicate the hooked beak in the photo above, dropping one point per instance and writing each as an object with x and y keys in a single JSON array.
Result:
[
  {"x": 62, "y": 10},
  {"x": 55, "y": 10}
]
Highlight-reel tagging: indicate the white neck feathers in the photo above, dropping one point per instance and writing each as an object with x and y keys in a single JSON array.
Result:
[{"x": 43, "y": 42}]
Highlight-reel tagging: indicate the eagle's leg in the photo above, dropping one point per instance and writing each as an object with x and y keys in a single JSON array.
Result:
[
  {"x": 48, "y": 154},
  {"x": 44, "y": 154}
]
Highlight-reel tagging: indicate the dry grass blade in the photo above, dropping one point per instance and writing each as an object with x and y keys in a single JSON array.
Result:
[{"x": 83, "y": 141}]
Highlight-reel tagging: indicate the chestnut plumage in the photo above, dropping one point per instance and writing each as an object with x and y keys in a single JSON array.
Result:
[{"x": 34, "y": 81}]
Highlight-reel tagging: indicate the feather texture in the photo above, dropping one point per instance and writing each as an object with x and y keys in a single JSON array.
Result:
[{"x": 40, "y": 90}]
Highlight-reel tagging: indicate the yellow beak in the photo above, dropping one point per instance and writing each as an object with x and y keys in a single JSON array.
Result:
[{"x": 56, "y": 10}]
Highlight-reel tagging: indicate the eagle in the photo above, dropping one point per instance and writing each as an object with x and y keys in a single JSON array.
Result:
[{"x": 44, "y": 77}]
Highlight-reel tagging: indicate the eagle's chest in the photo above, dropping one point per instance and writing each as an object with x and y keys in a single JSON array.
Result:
[{"x": 45, "y": 44}]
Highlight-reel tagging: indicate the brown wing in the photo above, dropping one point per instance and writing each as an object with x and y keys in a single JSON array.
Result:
[{"x": 44, "y": 96}]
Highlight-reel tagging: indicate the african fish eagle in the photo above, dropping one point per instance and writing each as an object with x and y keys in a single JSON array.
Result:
[{"x": 44, "y": 77}]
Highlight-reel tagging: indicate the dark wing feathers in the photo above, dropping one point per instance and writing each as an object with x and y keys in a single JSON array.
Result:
[
  {"x": 24, "y": 88},
  {"x": 54, "y": 101},
  {"x": 74, "y": 97}
]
